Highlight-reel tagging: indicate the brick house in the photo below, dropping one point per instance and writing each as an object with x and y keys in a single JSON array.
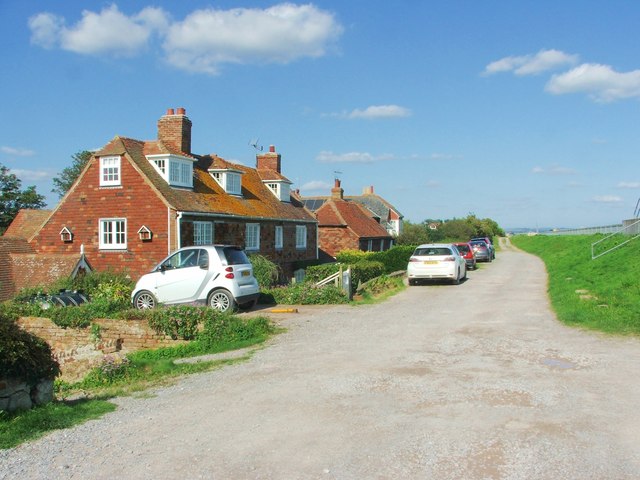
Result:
[
  {"x": 137, "y": 201},
  {"x": 345, "y": 224}
]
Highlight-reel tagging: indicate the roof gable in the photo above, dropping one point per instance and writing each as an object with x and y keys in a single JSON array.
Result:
[{"x": 338, "y": 212}]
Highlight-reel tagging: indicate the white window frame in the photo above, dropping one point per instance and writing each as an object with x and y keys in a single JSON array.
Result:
[
  {"x": 370, "y": 245},
  {"x": 279, "y": 237},
  {"x": 252, "y": 237},
  {"x": 301, "y": 237},
  {"x": 280, "y": 189},
  {"x": 116, "y": 229},
  {"x": 229, "y": 180},
  {"x": 176, "y": 170},
  {"x": 110, "y": 167},
  {"x": 202, "y": 233}
]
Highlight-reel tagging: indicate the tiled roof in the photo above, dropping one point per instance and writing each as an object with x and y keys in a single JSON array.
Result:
[
  {"x": 27, "y": 223},
  {"x": 8, "y": 246},
  {"x": 32, "y": 270},
  {"x": 337, "y": 212},
  {"x": 375, "y": 203},
  {"x": 207, "y": 196}
]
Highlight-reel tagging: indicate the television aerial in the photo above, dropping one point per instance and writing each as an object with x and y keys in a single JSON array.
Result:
[
  {"x": 336, "y": 173},
  {"x": 255, "y": 145}
]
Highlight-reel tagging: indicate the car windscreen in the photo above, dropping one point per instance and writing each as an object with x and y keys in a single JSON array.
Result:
[
  {"x": 235, "y": 256},
  {"x": 432, "y": 251}
]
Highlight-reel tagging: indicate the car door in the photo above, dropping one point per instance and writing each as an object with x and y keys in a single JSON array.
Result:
[{"x": 180, "y": 277}]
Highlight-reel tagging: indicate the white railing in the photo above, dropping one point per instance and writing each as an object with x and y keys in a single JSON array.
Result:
[{"x": 632, "y": 227}]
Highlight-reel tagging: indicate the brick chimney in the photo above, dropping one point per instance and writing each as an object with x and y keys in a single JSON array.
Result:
[
  {"x": 174, "y": 130},
  {"x": 367, "y": 190},
  {"x": 269, "y": 160},
  {"x": 337, "y": 191}
]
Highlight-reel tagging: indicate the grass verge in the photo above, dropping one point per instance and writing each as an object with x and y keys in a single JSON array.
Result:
[
  {"x": 600, "y": 294},
  {"x": 120, "y": 375}
]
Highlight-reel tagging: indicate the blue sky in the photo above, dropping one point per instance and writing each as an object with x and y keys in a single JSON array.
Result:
[{"x": 524, "y": 112}]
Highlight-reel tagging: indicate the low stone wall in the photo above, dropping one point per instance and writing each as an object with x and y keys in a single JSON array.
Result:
[
  {"x": 77, "y": 350},
  {"x": 19, "y": 395}
]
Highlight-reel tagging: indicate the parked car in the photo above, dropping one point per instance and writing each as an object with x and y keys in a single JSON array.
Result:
[
  {"x": 220, "y": 276},
  {"x": 436, "y": 260},
  {"x": 466, "y": 251},
  {"x": 486, "y": 240},
  {"x": 481, "y": 250}
]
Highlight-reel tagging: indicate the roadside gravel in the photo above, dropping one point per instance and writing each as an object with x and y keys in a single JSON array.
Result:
[{"x": 476, "y": 381}]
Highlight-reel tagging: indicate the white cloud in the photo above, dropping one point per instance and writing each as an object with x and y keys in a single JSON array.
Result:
[
  {"x": 380, "y": 111},
  {"x": 531, "y": 64},
  {"x": 107, "y": 32},
  {"x": 629, "y": 185},
  {"x": 30, "y": 175},
  {"x": 553, "y": 170},
  {"x": 17, "y": 152},
  {"x": 607, "y": 199},
  {"x": 206, "y": 39},
  {"x": 203, "y": 41},
  {"x": 600, "y": 82},
  {"x": 316, "y": 185}
]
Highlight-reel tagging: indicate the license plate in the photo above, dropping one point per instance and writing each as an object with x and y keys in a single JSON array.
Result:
[
  {"x": 431, "y": 262},
  {"x": 245, "y": 273}
]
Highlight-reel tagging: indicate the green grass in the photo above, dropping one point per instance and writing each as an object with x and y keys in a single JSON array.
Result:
[
  {"x": 20, "y": 427},
  {"x": 140, "y": 371},
  {"x": 601, "y": 294}
]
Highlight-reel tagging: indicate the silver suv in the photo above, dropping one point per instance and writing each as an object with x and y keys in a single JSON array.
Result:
[{"x": 220, "y": 276}]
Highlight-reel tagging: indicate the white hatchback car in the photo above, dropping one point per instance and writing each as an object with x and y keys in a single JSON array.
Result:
[
  {"x": 434, "y": 261},
  {"x": 220, "y": 276}
]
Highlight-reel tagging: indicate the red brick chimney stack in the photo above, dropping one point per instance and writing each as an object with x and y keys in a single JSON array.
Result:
[
  {"x": 269, "y": 160},
  {"x": 174, "y": 130},
  {"x": 337, "y": 191}
]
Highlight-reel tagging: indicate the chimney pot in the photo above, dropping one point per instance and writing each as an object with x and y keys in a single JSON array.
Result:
[
  {"x": 170, "y": 111},
  {"x": 272, "y": 148},
  {"x": 181, "y": 111}
]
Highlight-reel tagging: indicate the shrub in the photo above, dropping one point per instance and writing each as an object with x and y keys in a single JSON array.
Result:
[
  {"x": 365, "y": 270},
  {"x": 230, "y": 328},
  {"x": 316, "y": 273},
  {"x": 353, "y": 256},
  {"x": 23, "y": 355},
  {"x": 111, "y": 369},
  {"x": 265, "y": 271},
  {"x": 306, "y": 294},
  {"x": 181, "y": 321}
]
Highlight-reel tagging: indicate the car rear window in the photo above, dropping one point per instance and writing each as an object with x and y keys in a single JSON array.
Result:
[
  {"x": 432, "y": 251},
  {"x": 463, "y": 248},
  {"x": 235, "y": 256}
]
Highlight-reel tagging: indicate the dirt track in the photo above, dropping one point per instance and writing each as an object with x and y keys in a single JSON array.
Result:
[{"x": 476, "y": 381}]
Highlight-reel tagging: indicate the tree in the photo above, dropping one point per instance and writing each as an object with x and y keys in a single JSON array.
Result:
[
  {"x": 68, "y": 176},
  {"x": 412, "y": 234},
  {"x": 12, "y": 199}
]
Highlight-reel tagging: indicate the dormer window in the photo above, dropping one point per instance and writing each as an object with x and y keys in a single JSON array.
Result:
[
  {"x": 230, "y": 180},
  {"x": 280, "y": 188},
  {"x": 176, "y": 170}
]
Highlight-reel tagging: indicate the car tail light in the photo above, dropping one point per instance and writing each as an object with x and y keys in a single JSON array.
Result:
[
  {"x": 413, "y": 259},
  {"x": 449, "y": 259},
  {"x": 230, "y": 272}
]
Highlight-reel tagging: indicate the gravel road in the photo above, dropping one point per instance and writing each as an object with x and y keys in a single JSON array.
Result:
[{"x": 476, "y": 381}]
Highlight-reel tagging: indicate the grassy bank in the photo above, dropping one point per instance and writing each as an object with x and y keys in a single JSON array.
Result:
[{"x": 601, "y": 294}]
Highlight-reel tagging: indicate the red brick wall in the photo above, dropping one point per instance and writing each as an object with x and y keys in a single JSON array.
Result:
[
  {"x": 8, "y": 246},
  {"x": 135, "y": 200}
]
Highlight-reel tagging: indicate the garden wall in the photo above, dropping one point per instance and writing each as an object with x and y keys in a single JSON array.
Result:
[{"x": 76, "y": 350}]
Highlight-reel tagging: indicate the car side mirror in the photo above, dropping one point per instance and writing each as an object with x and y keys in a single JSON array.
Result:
[{"x": 162, "y": 268}]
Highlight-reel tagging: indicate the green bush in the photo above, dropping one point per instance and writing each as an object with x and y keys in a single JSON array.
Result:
[
  {"x": 394, "y": 259},
  {"x": 350, "y": 257},
  {"x": 365, "y": 270},
  {"x": 230, "y": 328},
  {"x": 265, "y": 271},
  {"x": 180, "y": 321},
  {"x": 23, "y": 355},
  {"x": 316, "y": 273},
  {"x": 306, "y": 294}
]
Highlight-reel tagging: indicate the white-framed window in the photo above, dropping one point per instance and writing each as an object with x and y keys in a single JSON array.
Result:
[
  {"x": 252, "y": 237},
  {"x": 301, "y": 236},
  {"x": 110, "y": 171},
  {"x": 202, "y": 233},
  {"x": 113, "y": 233},
  {"x": 370, "y": 245},
  {"x": 229, "y": 180},
  {"x": 279, "y": 237},
  {"x": 280, "y": 189},
  {"x": 176, "y": 170}
]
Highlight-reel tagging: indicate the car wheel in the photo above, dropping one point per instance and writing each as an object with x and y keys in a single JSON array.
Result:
[
  {"x": 412, "y": 282},
  {"x": 221, "y": 300},
  {"x": 464, "y": 277},
  {"x": 144, "y": 300},
  {"x": 456, "y": 281}
]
